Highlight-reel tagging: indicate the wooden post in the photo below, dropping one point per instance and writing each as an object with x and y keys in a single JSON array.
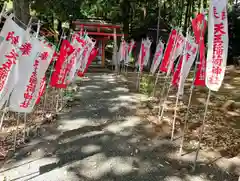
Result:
[
  {"x": 159, "y": 16},
  {"x": 202, "y": 130},
  {"x": 103, "y": 53},
  {"x": 115, "y": 51}
]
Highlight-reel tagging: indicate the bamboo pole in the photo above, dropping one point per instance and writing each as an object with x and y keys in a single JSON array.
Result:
[
  {"x": 16, "y": 133},
  {"x": 180, "y": 81},
  {"x": 190, "y": 97},
  {"x": 202, "y": 130},
  {"x": 115, "y": 52},
  {"x": 51, "y": 71},
  {"x": 24, "y": 128},
  {"x": 159, "y": 16},
  {"x": 162, "y": 104},
  {"x": 25, "y": 114}
]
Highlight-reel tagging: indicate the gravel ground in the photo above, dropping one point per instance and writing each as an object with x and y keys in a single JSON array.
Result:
[{"x": 99, "y": 138}]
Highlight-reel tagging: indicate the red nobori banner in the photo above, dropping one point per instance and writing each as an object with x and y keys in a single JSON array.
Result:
[
  {"x": 199, "y": 25},
  {"x": 173, "y": 50},
  {"x": 66, "y": 50}
]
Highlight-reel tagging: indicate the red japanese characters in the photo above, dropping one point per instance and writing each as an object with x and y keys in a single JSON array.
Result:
[
  {"x": 14, "y": 39},
  {"x": 6, "y": 67},
  {"x": 28, "y": 95},
  {"x": 217, "y": 45}
]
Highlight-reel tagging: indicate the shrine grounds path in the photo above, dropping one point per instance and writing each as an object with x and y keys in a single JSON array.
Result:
[{"x": 99, "y": 138}]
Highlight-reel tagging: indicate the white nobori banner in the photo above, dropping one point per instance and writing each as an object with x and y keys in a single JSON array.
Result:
[
  {"x": 217, "y": 44},
  {"x": 176, "y": 51},
  {"x": 123, "y": 51},
  {"x": 12, "y": 37},
  {"x": 189, "y": 55},
  {"x": 147, "y": 46},
  {"x": 25, "y": 93},
  {"x": 157, "y": 57},
  {"x": 129, "y": 51}
]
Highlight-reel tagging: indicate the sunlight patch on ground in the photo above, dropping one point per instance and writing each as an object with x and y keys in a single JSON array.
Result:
[
  {"x": 130, "y": 122},
  {"x": 122, "y": 167},
  {"x": 80, "y": 136},
  {"x": 120, "y": 89},
  {"x": 236, "y": 78},
  {"x": 173, "y": 178},
  {"x": 89, "y": 87},
  {"x": 118, "y": 106},
  {"x": 228, "y": 164},
  {"x": 106, "y": 92},
  {"x": 90, "y": 148},
  {"x": 233, "y": 113},
  {"x": 201, "y": 100},
  {"x": 125, "y": 98},
  {"x": 228, "y": 86},
  {"x": 187, "y": 157},
  {"x": 73, "y": 124},
  {"x": 98, "y": 166},
  {"x": 26, "y": 169},
  {"x": 109, "y": 79},
  {"x": 196, "y": 178}
]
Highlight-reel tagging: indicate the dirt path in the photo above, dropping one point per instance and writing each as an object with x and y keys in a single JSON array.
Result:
[{"x": 99, "y": 138}]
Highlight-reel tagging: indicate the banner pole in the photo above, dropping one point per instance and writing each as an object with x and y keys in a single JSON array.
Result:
[
  {"x": 61, "y": 94},
  {"x": 2, "y": 11},
  {"x": 3, "y": 115},
  {"x": 138, "y": 80},
  {"x": 190, "y": 96},
  {"x": 25, "y": 114},
  {"x": 139, "y": 67},
  {"x": 61, "y": 91},
  {"x": 159, "y": 17},
  {"x": 202, "y": 130},
  {"x": 158, "y": 73},
  {"x": 164, "y": 101},
  {"x": 155, "y": 84},
  {"x": 24, "y": 128},
  {"x": 161, "y": 104},
  {"x": 188, "y": 106},
  {"x": 16, "y": 133},
  {"x": 174, "y": 117},
  {"x": 179, "y": 83},
  {"x": 186, "y": 120},
  {"x": 51, "y": 71}
]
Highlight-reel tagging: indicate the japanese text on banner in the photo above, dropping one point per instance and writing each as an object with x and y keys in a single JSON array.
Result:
[
  {"x": 218, "y": 45},
  {"x": 12, "y": 37},
  {"x": 157, "y": 57}
]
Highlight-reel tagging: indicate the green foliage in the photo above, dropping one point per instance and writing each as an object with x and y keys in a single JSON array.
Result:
[
  {"x": 147, "y": 85},
  {"x": 136, "y": 16},
  {"x": 59, "y": 9},
  {"x": 234, "y": 29}
]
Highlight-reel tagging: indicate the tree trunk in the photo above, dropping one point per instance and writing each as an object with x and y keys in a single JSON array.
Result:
[
  {"x": 204, "y": 4},
  {"x": 171, "y": 14},
  {"x": 59, "y": 29},
  {"x": 199, "y": 5},
  {"x": 22, "y": 11},
  {"x": 125, "y": 12},
  {"x": 181, "y": 16},
  {"x": 164, "y": 10},
  {"x": 187, "y": 16},
  {"x": 193, "y": 9}
]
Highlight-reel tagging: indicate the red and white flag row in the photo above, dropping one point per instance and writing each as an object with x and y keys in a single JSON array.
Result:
[
  {"x": 209, "y": 72},
  {"x": 25, "y": 60}
]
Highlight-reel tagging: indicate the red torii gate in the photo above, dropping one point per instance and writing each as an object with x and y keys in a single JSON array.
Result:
[{"x": 101, "y": 32}]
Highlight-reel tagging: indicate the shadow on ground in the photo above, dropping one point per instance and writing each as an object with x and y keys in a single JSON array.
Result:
[{"x": 100, "y": 139}]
